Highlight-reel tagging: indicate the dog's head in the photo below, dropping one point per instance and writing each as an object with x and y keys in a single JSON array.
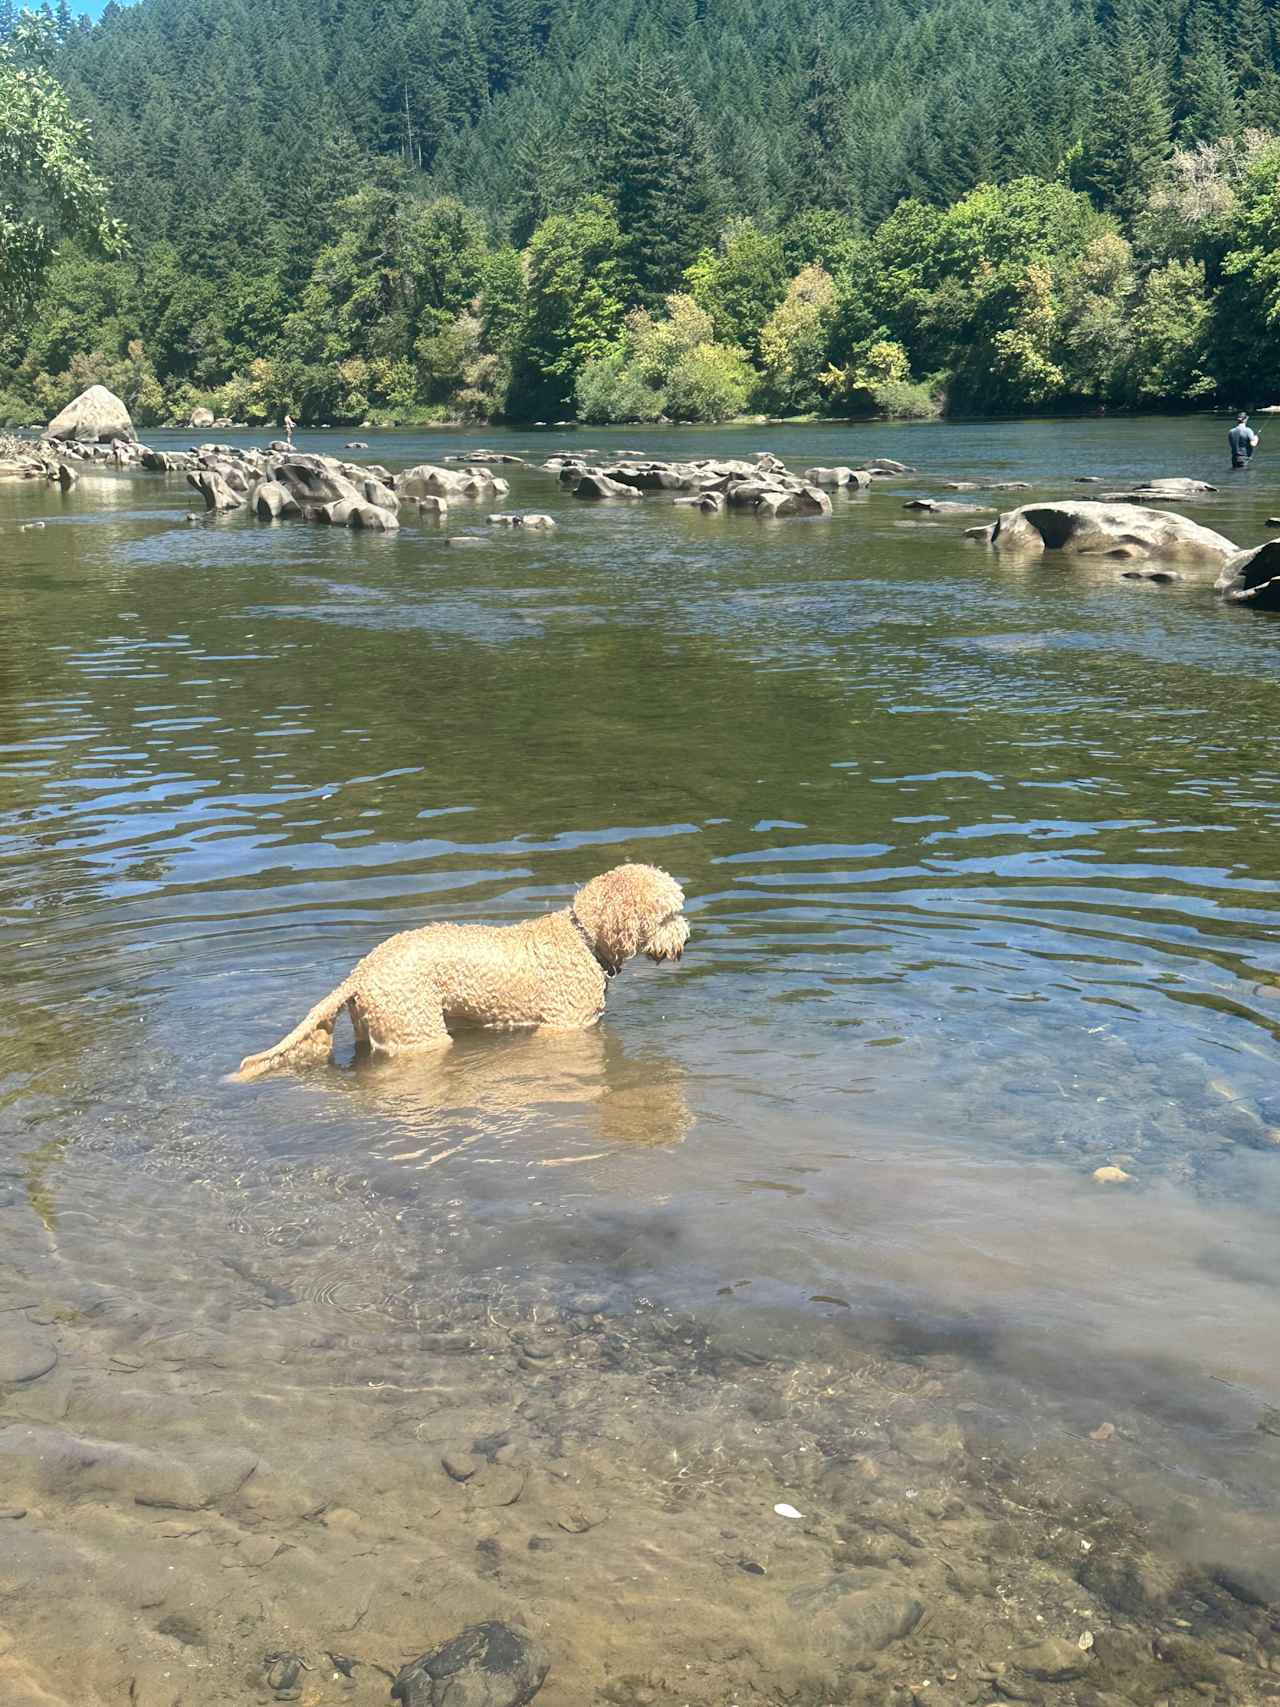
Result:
[{"x": 633, "y": 909}]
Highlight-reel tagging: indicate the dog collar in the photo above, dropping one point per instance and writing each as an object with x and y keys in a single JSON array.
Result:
[{"x": 608, "y": 970}]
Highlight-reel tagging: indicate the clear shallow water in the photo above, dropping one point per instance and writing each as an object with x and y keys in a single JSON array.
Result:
[{"x": 983, "y": 888}]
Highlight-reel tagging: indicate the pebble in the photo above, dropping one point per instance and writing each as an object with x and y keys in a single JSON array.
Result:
[
  {"x": 577, "y": 1519},
  {"x": 785, "y": 1510},
  {"x": 1111, "y": 1176},
  {"x": 486, "y": 1665},
  {"x": 24, "y": 1354},
  {"x": 13, "y": 1511},
  {"x": 259, "y": 1549},
  {"x": 1104, "y": 1431},
  {"x": 1055, "y": 1660}
]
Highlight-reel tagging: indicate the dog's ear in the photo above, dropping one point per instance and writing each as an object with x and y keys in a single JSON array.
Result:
[
  {"x": 620, "y": 919},
  {"x": 620, "y": 910}
]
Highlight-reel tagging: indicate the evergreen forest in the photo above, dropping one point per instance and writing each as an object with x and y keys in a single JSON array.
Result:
[{"x": 430, "y": 210}]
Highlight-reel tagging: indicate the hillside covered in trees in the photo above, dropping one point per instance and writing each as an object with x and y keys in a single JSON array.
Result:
[{"x": 423, "y": 209}]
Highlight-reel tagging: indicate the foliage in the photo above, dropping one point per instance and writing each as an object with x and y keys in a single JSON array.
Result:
[
  {"x": 484, "y": 208},
  {"x": 47, "y": 185},
  {"x": 669, "y": 366},
  {"x": 793, "y": 339}
]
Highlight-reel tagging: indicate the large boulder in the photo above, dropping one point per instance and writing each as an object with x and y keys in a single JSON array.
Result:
[
  {"x": 375, "y": 492},
  {"x": 596, "y": 485},
  {"x": 375, "y": 518},
  {"x": 1252, "y": 577},
  {"x": 271, "y": 500},
  {"x": 842, "y": 476},
  {"x": 1121, "y": 532},
  {"x": 97, "y": 415},
  {"x": 214, "y": 490},
  {"x": 315, "y": 480},
  {"x": 806, "y": 501},
  {"x": 428, "y": 479},
  {"x": 201, "y": 418}
]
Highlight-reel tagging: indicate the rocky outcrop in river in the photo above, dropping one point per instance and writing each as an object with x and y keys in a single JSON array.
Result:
[
  {"x": 97, "y": 415},
  {"x": 1252, "y": 577},
  {"x": 1124, "y": 533}
]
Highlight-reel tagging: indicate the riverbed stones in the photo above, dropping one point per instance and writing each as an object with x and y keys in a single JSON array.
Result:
[
  {"x": 1055, "y": 1660},
  {"x": 97, "y": 416},
  {"x": 50, "y": 1462},
  {"x": 516, "y": 519},
  {"x": 857, "y": 1612},
  {"x": 1119, "y": 532},
  {"x": 25, "y": 1353},
  {"x": 1252, "y": 577},
  {"x": 485, "y": 1665}
]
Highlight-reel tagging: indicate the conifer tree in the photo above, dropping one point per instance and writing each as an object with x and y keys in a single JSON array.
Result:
[
  {"x": 664, "y": 189},
  {"x": 1129, "y": 133},
  {"x": 1209, "y": 108}
]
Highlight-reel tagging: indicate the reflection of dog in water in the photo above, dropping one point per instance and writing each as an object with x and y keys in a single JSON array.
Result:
[
  {"x": 551, "y": 972},
  {"x": 555, "y": 1096}
]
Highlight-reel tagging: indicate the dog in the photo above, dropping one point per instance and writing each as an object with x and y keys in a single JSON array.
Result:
[{"x": 552, "y": 971}]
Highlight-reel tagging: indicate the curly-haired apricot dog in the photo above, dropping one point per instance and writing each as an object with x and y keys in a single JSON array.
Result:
[{"x": 551, "y": 971}]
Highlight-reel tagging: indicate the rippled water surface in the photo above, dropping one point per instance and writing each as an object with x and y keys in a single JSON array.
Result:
[{"x": 982, "y": 878}]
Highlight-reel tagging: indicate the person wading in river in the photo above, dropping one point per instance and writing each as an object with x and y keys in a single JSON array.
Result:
[
  {"x": 1243, "y": 441},
  {"x": 289, "y": 424}
]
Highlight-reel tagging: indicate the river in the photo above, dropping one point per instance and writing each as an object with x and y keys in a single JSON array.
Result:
[{"x": 981, "y": 870}]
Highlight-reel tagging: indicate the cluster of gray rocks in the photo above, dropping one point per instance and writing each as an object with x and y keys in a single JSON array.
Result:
[
  {"x": 763, "y": 485},
  {"x": 285, "y": 484}
]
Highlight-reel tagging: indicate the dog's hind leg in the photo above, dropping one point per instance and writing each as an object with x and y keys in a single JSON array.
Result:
[{"x": 384, "y": 1026}]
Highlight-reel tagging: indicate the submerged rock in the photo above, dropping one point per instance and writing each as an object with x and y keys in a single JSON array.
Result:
[
  {"x": 1055, "y": 1660},
  {"x": 1252, "y": 577},
  {"x": 946, "y": 506},
  {"x": 858, "y": 1612},
  {"x": 486, "y": 1665},
  {"x": 97, "y": 415},
  {"x": 25, "y": 1354},
  {"x": 1122, "y": 532}
]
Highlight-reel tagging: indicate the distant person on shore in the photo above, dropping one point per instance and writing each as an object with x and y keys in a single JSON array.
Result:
[
  {"x": 1243, "y": 441},
  {"x": 289, "y": 424}
]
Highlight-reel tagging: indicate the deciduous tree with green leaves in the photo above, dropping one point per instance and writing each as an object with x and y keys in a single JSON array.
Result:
[{"x": 48, "y": 188}]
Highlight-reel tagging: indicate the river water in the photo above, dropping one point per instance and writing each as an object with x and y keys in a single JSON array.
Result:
[{"x": 981, "y": 874}]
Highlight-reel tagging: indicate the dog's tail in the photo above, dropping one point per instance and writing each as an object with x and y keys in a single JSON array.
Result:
[{"x": 310, "y": 1040}]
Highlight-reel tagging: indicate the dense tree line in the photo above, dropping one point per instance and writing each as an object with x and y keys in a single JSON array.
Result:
[{"x": 687, "y": 208}]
